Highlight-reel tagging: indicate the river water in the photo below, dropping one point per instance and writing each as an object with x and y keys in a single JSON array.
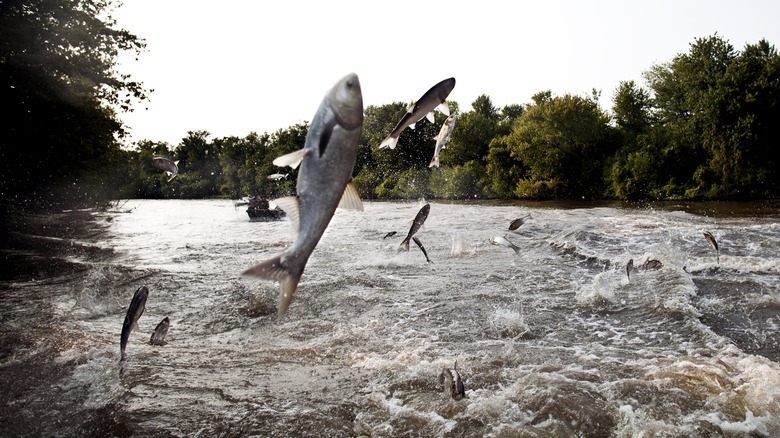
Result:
[{"x": 553, "y": 341}]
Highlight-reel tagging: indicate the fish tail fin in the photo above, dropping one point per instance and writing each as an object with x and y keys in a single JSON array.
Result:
[
  {"x": 404, "y": 245},
  {"x": 288, "y": 285},
  {"x": 274, "y": 269},
  {"x": 389, "y": 142}
]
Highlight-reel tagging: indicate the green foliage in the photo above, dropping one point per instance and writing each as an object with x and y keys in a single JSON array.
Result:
[
  {"x": 59, "y": 89},
  {"x": 718, "y": 105},
  {"x": 504, "y": 171},
  {"x": 458, "y": 182},
  {"x": 472, "y": 134},
  {"x": 705, "y": 127},
  {"x": 563, "y": 142},
  {"x": 631, "y": 107}
]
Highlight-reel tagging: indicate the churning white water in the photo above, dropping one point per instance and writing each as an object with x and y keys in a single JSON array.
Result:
[{"x": 556, "y": 340}]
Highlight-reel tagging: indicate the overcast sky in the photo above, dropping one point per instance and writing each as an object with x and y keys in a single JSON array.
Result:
[{"x": 232, "y": 67}]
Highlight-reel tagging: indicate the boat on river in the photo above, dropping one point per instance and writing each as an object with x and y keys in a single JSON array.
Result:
[{"x": 260, "y": 209}]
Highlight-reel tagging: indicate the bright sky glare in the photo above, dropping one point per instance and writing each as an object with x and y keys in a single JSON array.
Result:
[{"x": 233, "y": 67}]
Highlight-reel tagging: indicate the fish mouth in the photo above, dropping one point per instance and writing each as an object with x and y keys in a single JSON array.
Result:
[{"x": 347, "y": 102}]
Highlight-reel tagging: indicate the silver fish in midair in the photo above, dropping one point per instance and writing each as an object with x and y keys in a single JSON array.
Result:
[
  {"x": 422, "y": 248},
  {"x": 503, "y": 241},
  {"x": 170, "y": 167},
  {"x": 419, "y": 220},
  {"x": 432, "y": 99},
  {"x": 515, "y": 224},
  {"x": 324, "y": 183},
  {"x": 158, "y": 335},
  {"x": 134, "y": 312},
  {"x": 711, "y": 239},
  {"x": 441, "y": 139}
]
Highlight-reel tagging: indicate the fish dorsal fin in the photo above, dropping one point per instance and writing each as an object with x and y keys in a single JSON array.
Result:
[
  {"x": 444, "y": 108},
  {"x": 413, "y": 125},
  {"x": 410, "y": 108},
  {"x": 430, "y": 118},
  {"x": 291, "y": 206},
  {"x": 350, "y": 200},
  {"x": 293, "y": 159},
  {"x": 176, "y": 162}
]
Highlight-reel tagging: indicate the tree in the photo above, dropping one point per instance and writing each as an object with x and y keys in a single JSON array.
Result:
[
  {"x": 716, "y": 104},
  {"x": 504, "y": 171},
  {"x": 473, "y": 132},
  {"x": 246, "y": 164},
  {"x": 413, "y": 151},
  {"x": 60, "y": 91},
  {"x": 563, "y": 143},
  {"x": 631, "y": 108}
]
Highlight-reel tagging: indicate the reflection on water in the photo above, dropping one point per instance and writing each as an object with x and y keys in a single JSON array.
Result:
[{"x": 556, "y": 340}]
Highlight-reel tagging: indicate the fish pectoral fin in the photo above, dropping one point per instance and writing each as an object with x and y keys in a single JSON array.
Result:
[
  {"x": 350, "y": 200},
  {"x": 430, "y": 117},
  {"x": 389, "y": 142},
  {"x": 292, "y": 206},
  {"x": 271, "y": 269},
  {"x": 444, "y": 108},
  {"x": 176, "y": 162},
  {"x": 293, "y": 159},
  {"x": 413, "y": 125}
]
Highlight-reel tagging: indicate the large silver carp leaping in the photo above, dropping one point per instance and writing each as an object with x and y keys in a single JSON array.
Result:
[{"x": 327, "y": 161}]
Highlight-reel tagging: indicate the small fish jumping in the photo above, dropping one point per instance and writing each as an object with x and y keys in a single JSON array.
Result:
[
  {"x": 422, "y": 248},
  {"x": 629, "y": 266},
  {"x": 419, "y": 220},
  {"x": 515, "y": 224},
  {"x": 170, "y": 167},
  {"x": 453, "y": 384},
  {"x": 278, "y": 176},
  {"x": 434, "y": 98},
  {"x": 134, "y": 312},
  {"x": 503, "y": 241},
  {"x": 158, "y": 335},
  {"x": 444, "y": 134},
  {"x": 390, "y": 234},
  {"x": 711, "y": 239}
]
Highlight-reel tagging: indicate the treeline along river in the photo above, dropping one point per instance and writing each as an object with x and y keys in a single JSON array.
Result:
[{"x": 555, "y": 340}]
